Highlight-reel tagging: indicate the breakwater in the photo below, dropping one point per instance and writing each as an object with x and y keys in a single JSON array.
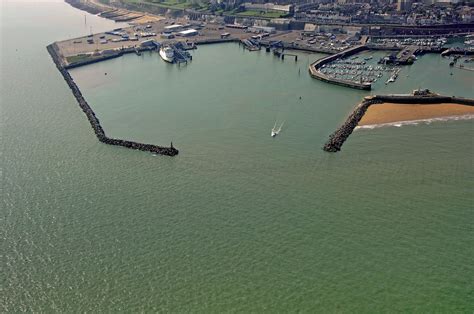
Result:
[
  {"x": 337, "y": 139},
  {"x": 94, "y": 121},
  {"x": 315, "y": 66}
]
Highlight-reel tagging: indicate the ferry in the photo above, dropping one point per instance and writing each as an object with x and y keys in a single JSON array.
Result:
[{"x": 167, "y": 54}]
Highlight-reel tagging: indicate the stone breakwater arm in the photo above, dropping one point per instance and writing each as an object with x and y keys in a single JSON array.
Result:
[
  {"x": 94, "y": 121},
  {"x": 337, "y": 139}
]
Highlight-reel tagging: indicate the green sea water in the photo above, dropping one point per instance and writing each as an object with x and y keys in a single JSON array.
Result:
[{"x": 238, "y": 221}]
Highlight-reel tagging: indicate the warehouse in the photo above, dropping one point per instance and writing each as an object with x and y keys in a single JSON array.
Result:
[
  {"x": 173, "y": 28},
  {"x": 188, "y": 33}
]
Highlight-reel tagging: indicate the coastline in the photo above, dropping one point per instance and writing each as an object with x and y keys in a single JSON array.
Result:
[
  {"x": 388, "y": 113},
  {"x": 419, "y": 99}
]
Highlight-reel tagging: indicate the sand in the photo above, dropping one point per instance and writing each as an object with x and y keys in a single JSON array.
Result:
[{"x": 390, "y": 112}]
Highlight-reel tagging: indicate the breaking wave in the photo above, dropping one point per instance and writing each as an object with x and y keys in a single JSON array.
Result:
[{"x": 399, "y": 124}]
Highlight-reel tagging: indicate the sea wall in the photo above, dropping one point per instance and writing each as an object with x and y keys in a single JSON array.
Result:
[
  {"x": 432, "y": 99},
  {"x": 108, "y": 56},
  {"x": 337, "y": 139},
  {"x": 93, "y": 60},
  {"x": 94, "y": 121},
  {"x": 85, "y": 6}
]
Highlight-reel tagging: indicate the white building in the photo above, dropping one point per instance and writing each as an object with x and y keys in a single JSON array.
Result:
[
  {"x": 188, "y": 33},
  {"x": 173, "y": 28}
]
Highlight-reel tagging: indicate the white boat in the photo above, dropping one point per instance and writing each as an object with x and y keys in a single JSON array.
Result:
[
  {"x": 276, "y": 131},
  {"x": 167, "y": 54}
]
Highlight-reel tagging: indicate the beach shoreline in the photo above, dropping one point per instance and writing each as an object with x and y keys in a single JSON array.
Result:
[{"x": 386, "y": 113}]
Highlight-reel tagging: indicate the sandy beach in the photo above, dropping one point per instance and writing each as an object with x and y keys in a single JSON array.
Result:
[{"x": 390, "y": 112}]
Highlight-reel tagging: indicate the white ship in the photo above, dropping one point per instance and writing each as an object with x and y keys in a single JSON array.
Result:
[{"x": 167, "y": 54}]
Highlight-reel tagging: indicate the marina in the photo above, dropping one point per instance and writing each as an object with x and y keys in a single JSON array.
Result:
[
  {"x": 238, "y": 220},
  {"x": 356, "y": 69}
]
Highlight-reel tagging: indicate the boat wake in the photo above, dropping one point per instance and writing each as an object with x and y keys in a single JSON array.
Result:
[
  {"x": 275, "y": 130},
  {"x": 415, "y": 122}
]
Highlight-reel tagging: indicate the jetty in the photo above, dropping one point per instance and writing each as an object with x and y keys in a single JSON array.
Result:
[
  {"x": 337, "y": 139},
  {"x": 405, "y": 56},
  {"x": 94, "y": 121},
  {"x": 251, "y": 45}
]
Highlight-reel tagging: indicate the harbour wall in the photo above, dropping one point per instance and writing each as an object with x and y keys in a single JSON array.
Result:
[
  {"x": 315, "y": 66},
  {"x": 337, "y": 139},
  {"x": 108, "y": 56},
  {"x": 216, "y": 41},
  {"x": 94, "y": 121}
]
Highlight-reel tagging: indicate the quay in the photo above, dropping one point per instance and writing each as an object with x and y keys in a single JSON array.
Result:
[
  {"x": 337, "y": 139},
  {"x": 94, "y": 121},
  {"x": 405, "y": 56},
  {"x": 115, "y": 43}
]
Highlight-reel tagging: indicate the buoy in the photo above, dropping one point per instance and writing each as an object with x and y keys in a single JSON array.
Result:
[{"x": 105, "y": 73}]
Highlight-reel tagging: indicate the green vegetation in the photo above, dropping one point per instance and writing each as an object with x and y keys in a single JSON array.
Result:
[
  {"x": 267, "y": 14},
  {"x": 173, "y": 4},
  {"x": 77, "y": 58}
]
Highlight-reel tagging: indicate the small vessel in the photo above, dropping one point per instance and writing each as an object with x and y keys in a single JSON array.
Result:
[
  {"x": 276, "y": 131},
  {"x": 167, "y": 54}
]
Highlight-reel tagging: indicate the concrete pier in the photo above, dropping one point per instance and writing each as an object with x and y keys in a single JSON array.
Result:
[{"x": 94, "y": 121}]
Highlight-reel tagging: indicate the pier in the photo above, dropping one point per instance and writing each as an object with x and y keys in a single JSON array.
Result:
[
  {"x": 250, "y": 44},
  {"x": 180, "y": 53},
  {"x": 94, "y": 121},
  {"x": 280, "y": 53},
  {"x": 337, "y": 139},
  {"x": 405, "y": 56}
]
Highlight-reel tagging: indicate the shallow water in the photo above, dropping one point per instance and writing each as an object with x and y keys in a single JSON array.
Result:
[{"x": 238, "y": 221}]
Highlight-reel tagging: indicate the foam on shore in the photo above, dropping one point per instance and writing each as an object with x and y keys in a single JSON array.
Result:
[
  {"x": 391, "y": 114},
  {"x": 416, "y": 122}
]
